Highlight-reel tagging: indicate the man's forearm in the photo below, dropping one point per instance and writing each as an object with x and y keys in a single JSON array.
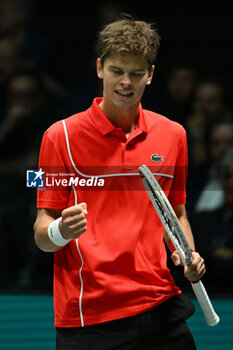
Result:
[
  {"x": 182, "y": 217},
  {"x": 41, "y": 233},
  {"x": 187, "y": 230}
]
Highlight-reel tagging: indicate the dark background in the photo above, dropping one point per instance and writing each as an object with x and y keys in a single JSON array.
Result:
[
  {"x": 199, "y": 34},
  {"x": 58, "y": 45}
]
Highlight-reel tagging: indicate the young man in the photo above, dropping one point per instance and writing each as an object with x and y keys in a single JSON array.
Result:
[{"x": 112, "y": 287}]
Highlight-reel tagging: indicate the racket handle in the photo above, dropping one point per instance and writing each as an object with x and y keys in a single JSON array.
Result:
[{"x": 210, "y": 315}]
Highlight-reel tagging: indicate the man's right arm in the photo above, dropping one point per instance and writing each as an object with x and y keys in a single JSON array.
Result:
[{"x": 71, "y": 226}]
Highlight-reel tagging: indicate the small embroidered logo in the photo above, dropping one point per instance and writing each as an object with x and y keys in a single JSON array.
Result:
[{"x": 156, "y": 158}]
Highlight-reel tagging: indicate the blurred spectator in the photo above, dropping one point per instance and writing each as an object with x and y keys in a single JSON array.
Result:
[
  {"x": 209, "y": 107},
  {"x": 11, "y": 60},
  {"x": 15, "y": 16},
  {"x": 213, "y": 232},
  {"x": 29, "y": 103},
  {"x": 213, "y": 235},
  {"x": 205, "y": 184},
  {"x": 178, "y": 98},
  {"x": 17, "y": 23},
  {"x": 28, "y": 114},
  {"x": 210, "y": 100}
]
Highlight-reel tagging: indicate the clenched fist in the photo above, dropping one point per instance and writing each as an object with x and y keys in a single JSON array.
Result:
[{"x": 73, "y": 222}]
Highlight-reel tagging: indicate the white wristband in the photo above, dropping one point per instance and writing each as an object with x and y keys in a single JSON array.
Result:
[{"x": 55, "y": 235}]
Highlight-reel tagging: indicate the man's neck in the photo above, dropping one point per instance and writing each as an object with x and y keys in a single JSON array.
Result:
[{"x": 121, "y": 118}]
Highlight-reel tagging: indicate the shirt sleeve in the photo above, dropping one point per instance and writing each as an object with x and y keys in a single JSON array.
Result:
[
  {"x": 177, "y": 194},
  {"x": 52, "y": 195}
]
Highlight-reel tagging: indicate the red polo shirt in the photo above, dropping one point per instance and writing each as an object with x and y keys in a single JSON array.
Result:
[{"x": 117, "y": 268}]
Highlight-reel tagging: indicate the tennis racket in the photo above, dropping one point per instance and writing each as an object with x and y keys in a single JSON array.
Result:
[{"x": 178, "y": 238}]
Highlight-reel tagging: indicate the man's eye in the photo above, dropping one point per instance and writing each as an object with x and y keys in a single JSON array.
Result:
[
  {"x": 117, "y": 72},
  {"x": 135, "y": 74}
]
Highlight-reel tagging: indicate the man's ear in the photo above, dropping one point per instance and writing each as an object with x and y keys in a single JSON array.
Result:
[
  {"x": 99, "y": 68},
  {"x": 149, "y": 79}
]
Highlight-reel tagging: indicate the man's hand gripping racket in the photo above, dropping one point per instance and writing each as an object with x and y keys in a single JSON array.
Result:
[{"x": 178, "y": 238}]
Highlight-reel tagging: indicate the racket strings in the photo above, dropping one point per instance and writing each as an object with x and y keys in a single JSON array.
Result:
[
  {"x": 166, "y": 216},
  {"x": 170, "y": 220}
]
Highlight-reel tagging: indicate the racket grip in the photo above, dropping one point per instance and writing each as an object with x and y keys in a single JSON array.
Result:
[{"x": 212, "y": 319}]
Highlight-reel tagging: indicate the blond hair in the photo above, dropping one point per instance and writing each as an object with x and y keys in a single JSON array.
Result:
[{"x": 128, "y": 36}]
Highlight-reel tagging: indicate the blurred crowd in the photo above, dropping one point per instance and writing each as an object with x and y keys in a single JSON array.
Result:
[
  {"x": 200, "y": 105},
  {"x": 43, "y": 78}
]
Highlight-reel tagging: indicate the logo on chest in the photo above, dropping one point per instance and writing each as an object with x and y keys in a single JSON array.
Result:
[{"x": 157, "y": 159}]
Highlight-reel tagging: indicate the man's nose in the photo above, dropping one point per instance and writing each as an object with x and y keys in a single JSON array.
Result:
[{"x": 126, "y": 81}]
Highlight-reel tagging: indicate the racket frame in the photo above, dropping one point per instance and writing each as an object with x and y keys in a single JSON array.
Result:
[{"x": 176, "y": 234}]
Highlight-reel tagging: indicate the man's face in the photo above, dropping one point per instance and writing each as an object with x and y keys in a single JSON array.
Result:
[
  {"x": 221, "y": 139},
  {"x": 10, "y": 58},
  {"x": 209, "y": 101},
  {"x": 124, "y": 79},
  {"x": 24, "y": 97},
  {"x": 181, "y": 84}
]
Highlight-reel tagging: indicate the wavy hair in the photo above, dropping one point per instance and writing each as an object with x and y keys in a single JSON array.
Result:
[{"x": 128, "y": 36}]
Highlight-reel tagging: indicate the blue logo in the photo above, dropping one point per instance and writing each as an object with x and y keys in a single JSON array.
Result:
[{"x": 35, "y": 178}]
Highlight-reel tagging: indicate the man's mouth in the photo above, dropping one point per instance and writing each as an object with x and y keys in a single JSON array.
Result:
[{"x": 124, "y": 93}]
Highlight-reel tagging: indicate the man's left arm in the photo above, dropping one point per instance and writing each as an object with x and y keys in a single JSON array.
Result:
[{"x": 196, "y": 269}]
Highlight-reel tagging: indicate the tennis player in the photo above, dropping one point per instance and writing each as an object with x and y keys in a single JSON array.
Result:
[{"x": 112, "y": 287}]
